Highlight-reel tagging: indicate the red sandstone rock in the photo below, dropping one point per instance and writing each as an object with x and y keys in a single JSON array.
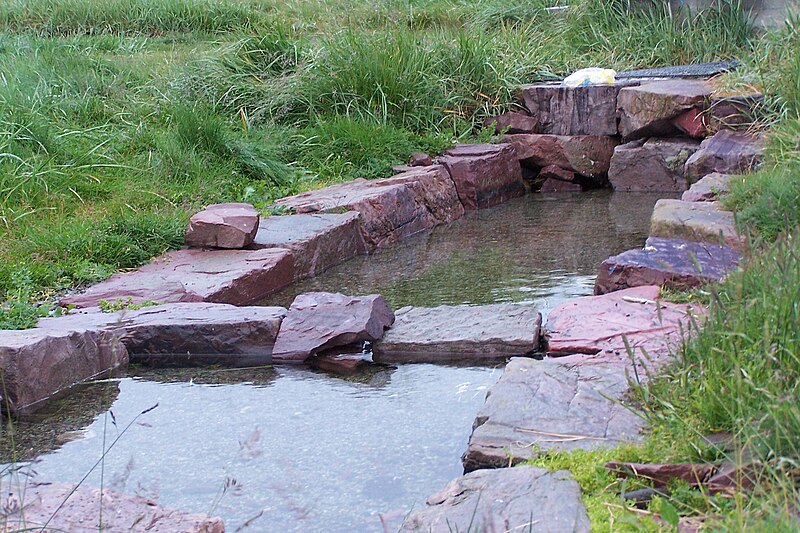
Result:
[
  {"x": 661, "y": 474},
  {"x": 37, "y": 364},
  {"x": 223, "y": 226},
  {"x": 318, "y": 321},
  {"x": 675, "y": 263},
  {"x": 695, "y": 221},
  {"x": 29, "y": 507},
  {"x": 647, "y": 110},
  {"x": 561, "y": 110},
  {"x": 587, "y": 155},
  {"x": 654, "y": 165},
  {"x": 556, "y": 185},
  {"x": 727, "y": 152},
  {"x": 514, "y": 122},
  {"x": 692, "y": 122},
  {"x": 596, "y": 324},
  {"x": 419, "y": 159},
  {"x": 318, "y": 241},
  {"x": 735, "y": 112},
  {"x": 236, "y": 277},
  {"x": 485, "y": 175},
  {"x": 709, "y": 188},
  {"x": 341, "y": 364},
  {"x": 434, "y": 191}
]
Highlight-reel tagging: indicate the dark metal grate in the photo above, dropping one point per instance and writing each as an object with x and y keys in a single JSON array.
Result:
[{"x": 702, "y": 70}]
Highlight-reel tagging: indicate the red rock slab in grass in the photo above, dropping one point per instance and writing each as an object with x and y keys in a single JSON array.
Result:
[
  {"x": 675, "y": 263},
  {"x": 419, "y": 159},
  {"x": 587, "y": 155},
  {"x": 236, "y": 277},
  {"x": 31, "y": 506},
  {"x": 648, "y": 110},
  {"x": 520, "y": 499},
  {"x": 38, "y": 364},
  {"x": 562, "y": 110},
  {"x": 185, "y": 334},
  {"x": 485, "y": 175},
  {"x": 318, "y": 321},
  {"x": 318, "y": 241},
  {"x": 661, "y": 474},
  {"x": 514, "y": 122},
  {"x": 230, "y": 226},
  {"x": 692, "y": 122},
  {"x": 597, "y": 324},
  {"x": 656, "y": 165},
  {"x": 695, "y": 221},
  {"x": 709, "y": 188},
  {"x": 727, "y": 152}
]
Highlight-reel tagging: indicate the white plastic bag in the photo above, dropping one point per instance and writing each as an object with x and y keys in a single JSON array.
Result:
[{"x": 590, "y": 76}]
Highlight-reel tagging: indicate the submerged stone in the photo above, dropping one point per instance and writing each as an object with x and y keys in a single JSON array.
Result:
[
  {"x": 223, "y": 226},
  {"x": 237, "y": 277},
  {"x": 511, "y": 499},
  {"x": 485, "y": 175},
  {"x": 464, "y": 332},
  {"x": 675, "y": 263},
  {"x": 318, "y": 321}
]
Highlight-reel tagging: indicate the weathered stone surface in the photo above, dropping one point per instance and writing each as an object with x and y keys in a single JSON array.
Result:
[
  {"x": 511, "y": 499},
  {"x": 340, "y": 364},
  {"x": 36, "y": 364},
  {"x": 728, "y": 152},
  {"x": 709, "y": 188},
  {"x": 419, "y": 159},
  {"x": 661, "y": 474},
  {"x": 514, "y": 122},
  {"x": 31, "y": 506},
  {"x": 318, "y": 241},
  {"x": 444, "y": 333},
  {"x": 692, "y": 122},
  {"x": 185, "y": 333},
  {"x": 555, "y": 404},
  {"x": 588, "y": 155},
  {"x": 557, "y": 179},
  {"x": 654, "y": 165},
  {"x": 597, "y": 324},
  {"x": 735, "y": 112},
  {"x": 695, "y": 221},
  {"x": 318, "y": 321},
  {"x": 223, "y": 226},
  {"x": 485, "y": 175},
  {"x": 236, "y": 277},
  {"x": 674, "y": 263},
  {"x": 391, "y": 209},
  {"x": 561, "y": 110},
  {"x": 647, "y": 110}
]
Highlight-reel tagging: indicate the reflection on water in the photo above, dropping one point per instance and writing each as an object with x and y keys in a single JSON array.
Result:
[{"x": 302, "y": 450}]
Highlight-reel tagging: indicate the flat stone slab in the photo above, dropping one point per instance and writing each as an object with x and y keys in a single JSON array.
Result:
[
  {"x": 601, "y": 324},
  {"x": 223, "y": 226},
  {"x": 514, "y": 122},
  {"x": 391, "y": 209},
  {"x": 237, "y": 277},
  {"x": 648, "y": 109},
  {"x": 510, "y": 499},
  {"x": 695, "y": 221},
  {"x": 587, "y": 155},
  {"x": 37, "y": 364},
  {"x": 32, "y": 506},
  {"x": 462, "y": 332},
  {"x": 485, "y": 175},
  {"x": 560, "y": 404},
  {"x": 655, "y": 165},
  {"x": 185, "y": 334},
  {"x": 675, "y": 263},
  {"x": 709, "y": 188},
  {"x": 728, "y": 152},
  {"x": 318, "y": 241},
  {"x": 562, "y": 110},
  {"x": 318, "y": 321}
]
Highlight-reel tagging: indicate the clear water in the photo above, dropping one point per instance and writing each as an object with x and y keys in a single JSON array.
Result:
[{"x": 293, "y": 449}]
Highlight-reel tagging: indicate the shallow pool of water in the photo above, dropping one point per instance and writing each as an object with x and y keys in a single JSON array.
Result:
[{"x": 293, "y": 449}]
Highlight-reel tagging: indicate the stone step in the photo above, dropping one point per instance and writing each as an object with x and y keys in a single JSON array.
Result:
[
  {"x": 709, "y": 188},
  {"x": 655, "y": 165},
  {"x": 695, "y": 221},
  {"x": 524, "y": 498},
  {"x": 185, "y": 334},
  {"x": 674, "y": 263},
  {"x": 727, "y": 152},
  {"x": 237, "y": 277},
  {"x": 651, "y": 108},
  {"x": 485, "y": 175},
  {"x": 463, "y": 332},
  {"x": 318, "y": 241}
]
